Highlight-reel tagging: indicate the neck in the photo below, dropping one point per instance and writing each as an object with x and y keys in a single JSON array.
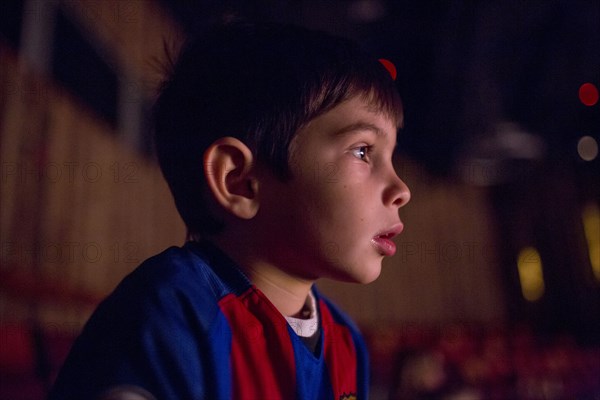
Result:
[{"x": 286, "y": 291}]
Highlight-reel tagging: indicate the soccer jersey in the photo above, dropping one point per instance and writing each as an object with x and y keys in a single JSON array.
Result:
[{"x": 187, "y": 324}]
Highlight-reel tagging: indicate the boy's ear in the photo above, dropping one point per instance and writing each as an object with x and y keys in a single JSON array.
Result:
[{"x": 230, "y": 174}]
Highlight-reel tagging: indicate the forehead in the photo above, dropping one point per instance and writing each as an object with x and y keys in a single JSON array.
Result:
[{"x": 354, "y": 115}]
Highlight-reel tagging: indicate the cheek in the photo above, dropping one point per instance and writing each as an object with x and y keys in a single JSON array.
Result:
[
  {"x": 326, "y": 204},
  {"x": 338, "y": 217},
  {"x": 332, "y": 200}
]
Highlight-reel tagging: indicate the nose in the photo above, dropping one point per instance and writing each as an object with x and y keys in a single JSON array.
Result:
[{"x": 397, "y": 193}]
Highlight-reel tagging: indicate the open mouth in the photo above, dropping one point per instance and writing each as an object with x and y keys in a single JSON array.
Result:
[
  {"x": 391, "y": 232},
  {"x": 383, "y": 241},
  {"x": 387, "y": 235},
  {"x": 385, "y": 246}
]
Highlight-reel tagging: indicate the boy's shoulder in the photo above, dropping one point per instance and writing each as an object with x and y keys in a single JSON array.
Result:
[
  {"x": 155, "y": 315},
  {"x": 199, "y": 273}
]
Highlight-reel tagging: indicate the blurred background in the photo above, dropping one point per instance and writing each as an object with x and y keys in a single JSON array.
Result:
[{"x": 494, "y": 292}]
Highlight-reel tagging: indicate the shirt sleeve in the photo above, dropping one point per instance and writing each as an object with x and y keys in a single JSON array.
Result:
[{"x": 150, "y": 339}]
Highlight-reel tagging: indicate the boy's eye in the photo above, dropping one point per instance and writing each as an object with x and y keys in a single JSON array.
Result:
[{"x": 361, "y": 152}]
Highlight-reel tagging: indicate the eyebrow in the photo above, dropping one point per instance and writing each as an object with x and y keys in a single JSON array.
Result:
[
  {"x": 359, "y": 126},
  {"x": 362, "y": 126}
]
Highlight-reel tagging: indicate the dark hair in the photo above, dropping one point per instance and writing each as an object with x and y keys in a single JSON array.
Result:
[{"x": 260, "y": 84}]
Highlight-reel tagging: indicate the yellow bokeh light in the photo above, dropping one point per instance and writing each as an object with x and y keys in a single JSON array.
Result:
[
  {"x": 529, "y": 264},
  {"x": 591, "y": 225}
]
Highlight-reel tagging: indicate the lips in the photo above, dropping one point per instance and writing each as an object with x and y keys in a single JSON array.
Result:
[{"x": 383, "y": 240}]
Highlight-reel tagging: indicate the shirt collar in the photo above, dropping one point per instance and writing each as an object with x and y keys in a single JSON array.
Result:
[{"x": 222, "y": 265}]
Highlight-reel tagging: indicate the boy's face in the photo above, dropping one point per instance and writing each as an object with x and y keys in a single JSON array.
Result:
[{"x": 335, "y": 216}]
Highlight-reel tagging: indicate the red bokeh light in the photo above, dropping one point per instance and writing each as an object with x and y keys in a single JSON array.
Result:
[{"x": 588, "y": 94}]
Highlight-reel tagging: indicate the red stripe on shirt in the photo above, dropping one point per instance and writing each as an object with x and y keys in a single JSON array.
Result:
[
  {"x": 340, "y": 356},
  {"x": 262, "y": 356}
]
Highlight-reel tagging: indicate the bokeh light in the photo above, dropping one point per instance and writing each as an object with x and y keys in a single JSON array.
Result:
[
  {"x": 588, "y": 94},
  {"x": 587, "y": 148},
  {"x": 529, "y": 264},
  {"x": 591, "y": 225}
]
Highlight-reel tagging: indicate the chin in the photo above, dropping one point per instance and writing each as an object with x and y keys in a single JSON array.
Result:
[
  {"x": 364, "y": 274},
  {"x": 369, "y": 278}
]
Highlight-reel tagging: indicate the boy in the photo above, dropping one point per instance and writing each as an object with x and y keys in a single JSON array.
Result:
[{"x": 277, "y": 145}]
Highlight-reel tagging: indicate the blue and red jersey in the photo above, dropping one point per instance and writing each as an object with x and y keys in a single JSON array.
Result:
[{"x": 187, "y": 324}]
